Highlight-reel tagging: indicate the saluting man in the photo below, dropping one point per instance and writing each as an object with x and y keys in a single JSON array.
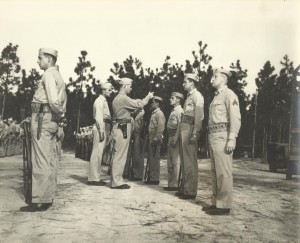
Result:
[
  {"x": 48, "y": 110},
  {"x": 100, "y": 131},
  {"x": 155, "y": 131},
  {"x": 121, "y": 132},
  {"x": 191, "y": 124},
  {"x": 173, "y": 159},
  {"x": 223, "y": 127}
]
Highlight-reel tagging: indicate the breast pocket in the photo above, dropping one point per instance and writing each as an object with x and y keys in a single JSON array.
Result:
[
  {"x": 219, "y": 108},
  {"x": 190, "y": 106}
]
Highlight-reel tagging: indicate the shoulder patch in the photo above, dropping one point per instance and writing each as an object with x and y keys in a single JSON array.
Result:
[{"x": 235, "y": 102}]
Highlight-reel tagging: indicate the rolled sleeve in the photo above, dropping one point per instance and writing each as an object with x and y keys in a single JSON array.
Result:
[
  {"x": 198, "y": 113},
  {"x": 52, "y": 93},
  {"x": 98, "y": 114},
  {"x": 233, "y": 107}
]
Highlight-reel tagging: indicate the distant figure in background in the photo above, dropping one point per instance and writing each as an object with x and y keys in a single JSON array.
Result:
[
  {"x": 100, "y": 131},
  {"x": 173, "y": 127},
  {"x": 155, "y": 131},
  {"x": 223, "y": 127}
]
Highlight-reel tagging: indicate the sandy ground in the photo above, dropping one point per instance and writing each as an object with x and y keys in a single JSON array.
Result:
[{"x": 266, "y": 208}]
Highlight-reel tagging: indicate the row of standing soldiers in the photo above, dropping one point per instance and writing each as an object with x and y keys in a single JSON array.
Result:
[
  {"x": 84, "y": 143},
  {"x": 11, "y": 137},
  {"x": 183, "y": 129}
]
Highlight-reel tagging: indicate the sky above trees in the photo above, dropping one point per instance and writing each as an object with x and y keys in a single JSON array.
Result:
[{"x": 251, "y": 31}]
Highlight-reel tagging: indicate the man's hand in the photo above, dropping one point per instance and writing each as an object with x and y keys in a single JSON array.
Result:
[
  {"x": 150, "y": 95},
  {"x": 173, "y": 142},
  {"x": 193, "y": 139},
  {"x": 101, "y": 136},
  {"x": 60, "y": 134},
  {"x": 230, "y": 146}
]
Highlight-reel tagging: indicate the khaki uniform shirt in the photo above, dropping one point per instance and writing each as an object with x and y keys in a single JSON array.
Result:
[
  {"x": 123, "y": 104},
  {"x": 194, "y": 107},
  {"x": 101, "y": 112},
  {"x": 225, "y": 109},
  {"x": 174, "y": 118},
  {"x": 157, "y": 124},
  {"x": 139, "y": 122},
  {"x": 51, "y": 90}
]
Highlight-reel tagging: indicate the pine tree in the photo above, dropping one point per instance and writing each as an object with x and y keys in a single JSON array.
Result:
[{"x": 9, "y": 69}]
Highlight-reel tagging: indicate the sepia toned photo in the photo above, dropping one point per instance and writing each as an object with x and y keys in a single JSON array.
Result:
[{"x": 149, "y": 121}]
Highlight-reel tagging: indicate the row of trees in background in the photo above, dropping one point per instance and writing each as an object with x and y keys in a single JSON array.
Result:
[{"x": 265, "y": 115}]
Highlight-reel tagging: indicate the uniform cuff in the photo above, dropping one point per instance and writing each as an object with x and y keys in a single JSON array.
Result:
[{"x": 232, "y": 135}]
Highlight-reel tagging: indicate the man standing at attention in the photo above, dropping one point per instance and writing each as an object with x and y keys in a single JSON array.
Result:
[
  {"x": 48, "y": 111},
  {"x": 122, "y": 106},
  {"x": 191, "y": 124},
  {"x": 100, "y": 131},
  {"x": 223, "y": 127},
  {"x": 173, "y": 159},
  {"x": 155, "y": 131}
]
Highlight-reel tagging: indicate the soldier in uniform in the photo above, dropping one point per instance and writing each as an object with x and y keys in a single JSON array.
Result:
[
  {"x": 10, "y": 137},
  {"x": 3, "y": 134},
  {"x": 48, "y": 111},
  {"x": 4, "y": 141},
  {"x": 155, "y": 131},
  {"x": 138, "y": 147},
  {"x": 173, "y": 159},
  {"x": 100, "y": 131},
  {"x": 122, "y": 106},
  {"x": 223, "y": 127},
  {"x": 190, "y": 126}
]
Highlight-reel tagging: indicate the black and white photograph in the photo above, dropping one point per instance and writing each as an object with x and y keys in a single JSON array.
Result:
[{"x": 129, "y": 121}]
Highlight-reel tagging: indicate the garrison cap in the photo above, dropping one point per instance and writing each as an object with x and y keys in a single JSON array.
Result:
[
  {"x": 125, "y": 81},
  {"x": 106, "y": 85},
  {"x": 221, "y": 70},
  {"x": 192, "y": 76},
  {"x": 177, "y": 94},
  {"x": 49, "y": 51},
  {"x": 157, "y": 98}
]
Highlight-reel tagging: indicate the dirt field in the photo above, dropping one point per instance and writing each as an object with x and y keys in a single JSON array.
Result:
[{"x": 266, "y": 208}]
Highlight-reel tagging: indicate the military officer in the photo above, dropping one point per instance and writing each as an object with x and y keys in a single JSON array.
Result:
[
  {"x": 155, "y": 131},
  {"x": 48, "y": 111},
  {"x": 122, "y": 105},
  {"x": 173, "y": 159},
  {"x": 100, "y": 131},
  {"x": 223, "y": 127},
  {"x": 190, "y": 126}
]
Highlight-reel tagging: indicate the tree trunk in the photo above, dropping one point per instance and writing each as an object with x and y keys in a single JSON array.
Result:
[
  {"x": 263, "y": 157},
  {"x": 3, "y": 105},
  {"x": 78, "y": 117},
  {"x": 254, "y": 128}
]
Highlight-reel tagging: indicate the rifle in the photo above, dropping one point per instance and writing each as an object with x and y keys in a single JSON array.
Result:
[
  {"x": 27, "y": 162},
  {"x": 180, "y": 178}
]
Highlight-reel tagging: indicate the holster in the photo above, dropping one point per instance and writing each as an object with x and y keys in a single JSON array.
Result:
[{"x": 123, "y": 127}]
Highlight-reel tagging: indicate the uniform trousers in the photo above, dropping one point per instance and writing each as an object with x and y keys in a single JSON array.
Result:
[
  {"x": 120, "y": 155},
  {"x": 221, "y": 170},
  {"x": 138, "y": 156},
  {"x": 153, "y": 159},
  {"x": 189, "y": 164},
  {"x": 173, "y": 161},
  {"x": 44, "y": 159},
  {"x": 97, "y": 153}
]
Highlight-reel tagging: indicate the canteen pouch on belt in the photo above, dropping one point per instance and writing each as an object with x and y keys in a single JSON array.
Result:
[{"x": 123, "y": 127}]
